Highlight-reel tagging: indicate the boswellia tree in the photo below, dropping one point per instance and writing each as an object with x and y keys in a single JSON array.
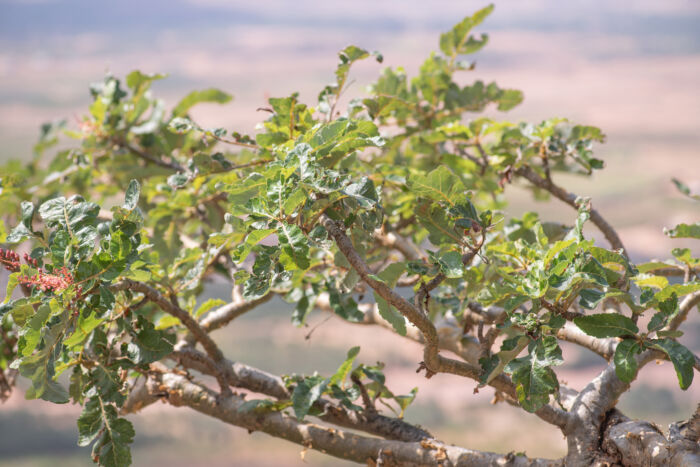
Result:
[{"x": 387, "y": 213}]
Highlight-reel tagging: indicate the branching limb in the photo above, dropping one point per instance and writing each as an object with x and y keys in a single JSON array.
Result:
[
  {"x": 641, "y": 443},
  {"x": 684, "y": 308},
  {"x": 169, "y": 307},
  {"x": 570, "y": 199},
  {"x": 433, "y": 361},
  {"x": 603, "y": 347},
  {"x": 591, "y": 407},
  {"x": 252, "y": 379},
  {"x": 227, "y": 313},
  {"x": 338, "y": 443}
]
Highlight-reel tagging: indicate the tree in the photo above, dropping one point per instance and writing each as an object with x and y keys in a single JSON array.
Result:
[{"x": 389, "y": 214}]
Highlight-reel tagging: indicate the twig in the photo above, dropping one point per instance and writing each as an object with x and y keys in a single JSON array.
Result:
[{"x": 570, "y": 199}]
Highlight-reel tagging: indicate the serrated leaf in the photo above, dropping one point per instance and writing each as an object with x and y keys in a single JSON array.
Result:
[
  {"x": 683, "y": 360},
  {"x": 295, "y": 247},
  {"x": 89, "y": 422},
  {"x": 606, "y": 325},
  {"x": 439, "y": 184},
  {"x": 677, "y": 289},
  {"x": 451, "y": 264},
  {"x": 306, "y": 393},
  {"x": 534, "y": 380},
  {"x": 112, "y": 449},
  {"x": 625, "y": 360}
]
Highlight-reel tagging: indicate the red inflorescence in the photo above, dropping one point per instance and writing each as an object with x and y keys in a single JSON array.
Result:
[
  {"x": 61, "y": 279},
  {"x": 30, "y": 261},
  {"x": 9, "y": 259}
]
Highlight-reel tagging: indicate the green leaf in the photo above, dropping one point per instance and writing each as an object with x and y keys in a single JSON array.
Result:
[
  {"x": 589, "y": 298},
  {"x": 306, "y": 393},
  {"x": 646, "y": 280},
  {"x": 12, "y": 283},
  {"x": 208, "y": 305},
  {"x": 363, "y": 192},
  {"x": 440, "y": 184},
  {"x": 534, "y": 380},
  {"x": 683, "y": 360},
  {"x": 40, "y": 367},
  {"x": 345, "y": 367},
  {"x": 434, "y": 218},
  {"x": 677, "y": 289},
  {"x": 131, "y": 199},
  {"x": 625, "y": 361},
  {"x": 457, "y": 41},
  {"x": 509, "y": 98},
  {"x": 89, "y": 422},
  {"x": 24, "y": 228},
  {"x": 294, "y": 200},
  {"x": 295, "y": 247},
  {"x": 150, "y": 345},
  {"x": 673, "y": 334},
  {"x": 112, "y": 450},
  {"x": 139, "y": 82},
  {"x": 684, "y": 231},
  {"x": 606, "y": 325},
  {"x": 683, "y": 188},
  {"x": 451, "y": 265},
  {"x": 195, "y": 97},
  {"x": 390, "y": 276},
  {"x": 253, "y": 238},
  {"x": 509, "y": 350}
]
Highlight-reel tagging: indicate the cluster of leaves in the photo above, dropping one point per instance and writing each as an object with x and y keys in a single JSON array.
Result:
[
  {"x": 411, "y": 159},
  {"x": 83, "y": 326},
  {"x": 346, "y": 386}
]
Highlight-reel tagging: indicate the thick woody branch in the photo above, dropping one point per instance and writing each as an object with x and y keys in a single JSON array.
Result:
[
  {"x": 634, "y": 443},
  {"x": 252, "y": 379},
  {"x": 603, "y": 347},
  {"x": 591, "y": 407},
  {"x": 570, "y": 199},
  {"x": 337, "y": 443}
]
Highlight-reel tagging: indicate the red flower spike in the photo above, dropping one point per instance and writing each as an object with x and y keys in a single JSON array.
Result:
[
  {"x": 9, "y": 259},
  {"x": 60, "y": 280}
]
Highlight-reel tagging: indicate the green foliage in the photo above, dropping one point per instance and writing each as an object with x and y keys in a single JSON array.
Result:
[
  {"x": 145, "y": 194},
  {"x": 607, "y": 325}
]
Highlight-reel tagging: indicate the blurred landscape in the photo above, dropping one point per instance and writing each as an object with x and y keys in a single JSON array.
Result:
[{"x": 629, "y": 67}]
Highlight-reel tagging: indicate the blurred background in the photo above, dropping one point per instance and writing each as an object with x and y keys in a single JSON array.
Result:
[{"x": 629, "y": 67}]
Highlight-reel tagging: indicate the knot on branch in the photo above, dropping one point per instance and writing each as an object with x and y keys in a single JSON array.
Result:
[{"x": 428, "y": 372}]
